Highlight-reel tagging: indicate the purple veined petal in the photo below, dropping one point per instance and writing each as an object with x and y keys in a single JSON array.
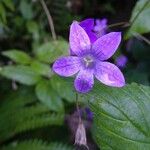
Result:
[
  {"x": 88, "y": 26},
  {"x": 78, "y": 39},
  {"x": 84, "y": 81},
  {"x": 105, "y": 46},
  {"x": 109, "y": 74},
  {"x": 66, "y": 66}
]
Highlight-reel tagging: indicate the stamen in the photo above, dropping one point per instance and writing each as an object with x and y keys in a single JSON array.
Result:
[{"x": 88, "y": 60}]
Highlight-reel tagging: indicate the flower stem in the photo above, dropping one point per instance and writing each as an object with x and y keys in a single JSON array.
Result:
[
  {"x": 77, "y": 107},
  {"x": 50, "y": 20}
]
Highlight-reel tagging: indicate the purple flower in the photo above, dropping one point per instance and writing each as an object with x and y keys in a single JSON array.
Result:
[
  {"x": 94, "y": 29},
  {"x": 90, "y": 60},
  {"x": 121, "y": 61}
]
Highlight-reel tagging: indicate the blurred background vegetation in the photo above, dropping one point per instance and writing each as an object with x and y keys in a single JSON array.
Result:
[{"x": 37, "y": 109}]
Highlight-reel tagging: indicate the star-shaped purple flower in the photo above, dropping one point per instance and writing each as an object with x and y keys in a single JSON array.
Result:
[{"x": 89, "y": 60}]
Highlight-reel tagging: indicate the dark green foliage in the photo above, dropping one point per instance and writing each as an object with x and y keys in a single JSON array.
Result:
[
  {"x": 25, "y": 114},
  {"x": 37, "y": 145},
  {"x": 121, "y": 117}
]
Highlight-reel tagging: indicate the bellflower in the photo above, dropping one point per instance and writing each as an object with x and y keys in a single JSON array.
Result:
[
  {"x": 89, "y": 60},
  {"x": 94, "y": 29}
]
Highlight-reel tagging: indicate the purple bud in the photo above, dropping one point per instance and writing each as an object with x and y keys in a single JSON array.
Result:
[{"x": 121, "y": 61}]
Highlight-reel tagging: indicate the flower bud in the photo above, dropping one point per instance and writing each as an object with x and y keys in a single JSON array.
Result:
[{"x": 80, "y": 137}]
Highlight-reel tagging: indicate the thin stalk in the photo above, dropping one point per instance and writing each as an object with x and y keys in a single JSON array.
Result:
[
  {"x": 77, "y": 107},
  {"x": 140, "y": 37},
  {"x": 119, "y": 24},
  {"x": 50, "y": 20}
]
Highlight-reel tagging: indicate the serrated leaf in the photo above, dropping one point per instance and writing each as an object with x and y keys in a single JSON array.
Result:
[
  {"x": 41, "y": 68},
  {"x": 20, "y": 73},
  {"x": 64, "y": 88},
  {"x": 142, "y": 22},
  {"x": 48, "y": 96},
  {"x": 50, "y": 51},
  {"x": 121, "y": 117},
  {"x": 17, "y": 56}
]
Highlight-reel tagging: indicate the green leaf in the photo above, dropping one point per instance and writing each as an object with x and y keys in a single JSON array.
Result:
[
  {"x": 37, "y": 145},
  {"x": 9, "y": 4},
  {"x": 22, "y": 74},
  {"x": 17, "y": 56},
  {"x": 48, "y": 96},
  {"x": 3, "y": 19},
  {"x": 26, "y": 9},
  {"x": 41, "y": 68},
  {"x": 33, "y": 28},
  {"x": 25, "y": 117},
  {"x": 121, "y": 117},
  {"x": 142, "y": 22},
  {"x": 64, "y": 88},
  {"x": 50, "y": 51}
]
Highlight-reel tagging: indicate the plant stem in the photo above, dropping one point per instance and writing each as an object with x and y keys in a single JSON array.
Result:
[
  {"x": 140, "y": 37},
  {"x": 77, "y": 107},
  {"x": 119, "y": 24},
  {"x": 50, "y": 20}
]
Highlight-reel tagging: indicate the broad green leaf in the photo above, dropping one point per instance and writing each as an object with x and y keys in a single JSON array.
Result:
[
  {"x": 48, "y": 96},
  {"x": 121, "y": 117},
  {"x": 26, "y": 9},
  {"x": 9, "y": 4},
  {"x": 20, "y": 73},
  {"x": 41, "y": 68},
  {"x": 64, "y": 88},
  {"x": 50, "y": 51},
  {"x": 18, "y": 56},
  {"x": 142, "y": 22}
]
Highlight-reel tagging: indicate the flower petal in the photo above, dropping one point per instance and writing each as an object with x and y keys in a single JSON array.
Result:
[
  {"x": 109, "y": 74},
  {"x": 78, "y": 39},
  {"x": 106, "y": 45},
  {"x": 88, "y": 26},
  {"x": 67, "y": 66},
  {"x": 84, "y": 81}
]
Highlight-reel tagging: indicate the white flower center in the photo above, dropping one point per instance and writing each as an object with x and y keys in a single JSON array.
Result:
[{"x": 88, "y": 61}]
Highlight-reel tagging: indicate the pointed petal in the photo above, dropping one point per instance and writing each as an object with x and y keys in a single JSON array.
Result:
[
  {"x": 106, "y": 45},
  {"x": 88, "y": 26},
  {"x": 78, "y": 39},
  {"x": 67, "y": 66},
  {"x": 84, "y": 81},
  {"x": 109, "y": 74}
]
